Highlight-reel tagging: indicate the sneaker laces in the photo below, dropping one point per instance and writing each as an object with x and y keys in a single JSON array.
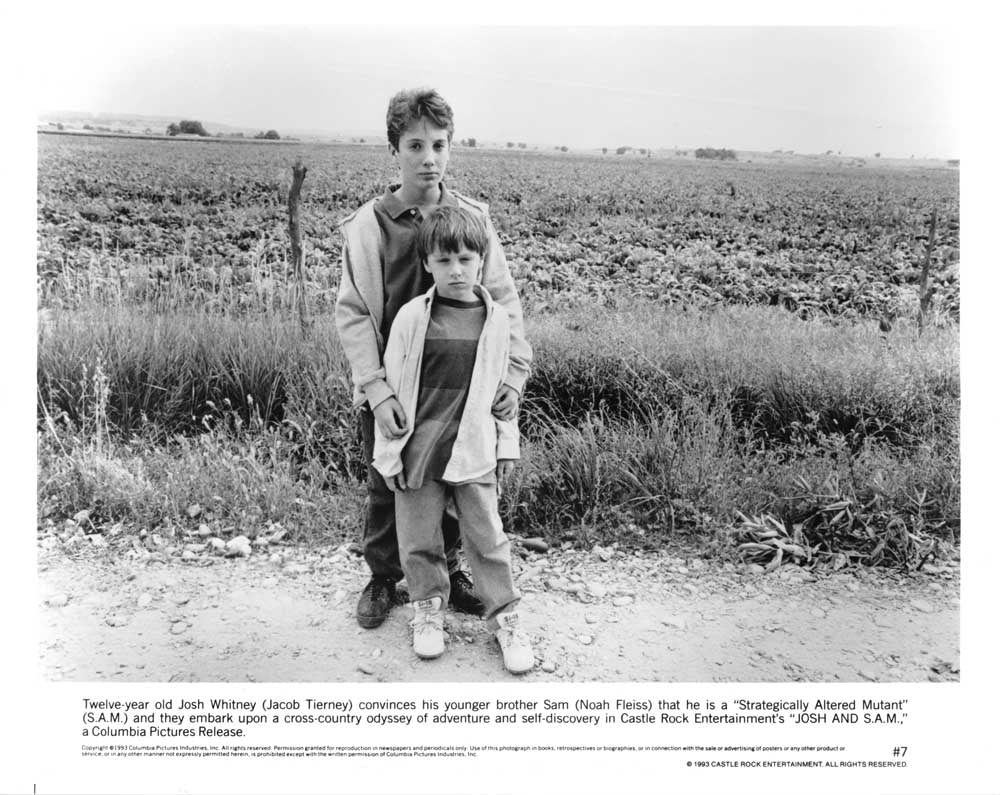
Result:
[
  {"x": 512, "y": 634},
  {"x": 425, "y": 618}
]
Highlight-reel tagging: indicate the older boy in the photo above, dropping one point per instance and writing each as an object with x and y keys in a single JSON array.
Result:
[
  {"x": 380, "y": 273},
  {"x": 448, "y": 354}
]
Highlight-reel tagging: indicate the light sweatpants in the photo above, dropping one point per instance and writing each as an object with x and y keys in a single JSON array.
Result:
[{"x": 487, "y": 550}]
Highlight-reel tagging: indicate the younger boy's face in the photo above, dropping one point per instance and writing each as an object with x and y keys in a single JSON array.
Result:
[
  {"x": 455, "y": 274},
  {"x": 423, "y": 155}
]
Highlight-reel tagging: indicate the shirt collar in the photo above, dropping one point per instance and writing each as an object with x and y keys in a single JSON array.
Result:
[{"x": 395, "y": 208}]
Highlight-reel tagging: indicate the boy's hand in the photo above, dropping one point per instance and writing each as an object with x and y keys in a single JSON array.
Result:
[
  {"x": 390, "y": 417},
  {"x": 396, "y": 482},
  {"x": 505, "y": 466},
  {"x": 505, "y": 403}
]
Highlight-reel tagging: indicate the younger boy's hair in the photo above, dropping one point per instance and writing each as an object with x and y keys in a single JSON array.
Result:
[
  {"x": 413, "y": 104},
  {"x": 451, "y": 229}
]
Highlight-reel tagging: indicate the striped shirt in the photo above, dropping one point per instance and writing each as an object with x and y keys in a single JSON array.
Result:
[{"x": 445, "y": 372}]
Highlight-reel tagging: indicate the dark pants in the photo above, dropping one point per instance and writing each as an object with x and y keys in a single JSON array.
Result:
[{"x": 380, "y": 544}]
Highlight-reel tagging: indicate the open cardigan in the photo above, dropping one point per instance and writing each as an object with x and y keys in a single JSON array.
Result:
[{"x": 481, "y": 438}]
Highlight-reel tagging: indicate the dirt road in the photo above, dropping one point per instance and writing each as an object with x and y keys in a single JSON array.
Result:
[{"x": 287, "y": 615}]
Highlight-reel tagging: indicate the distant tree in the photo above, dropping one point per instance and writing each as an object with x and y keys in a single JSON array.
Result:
[
  {"x": 642, "y": 151},
  {"x": 522, "y": 146},
  {"x": 472, "y": 143},
  {"x": 622, "y": 150},
  {"x": 510, "y": 144},
  {"x": 708, "y": 153},
  {"x": 878, "y": 154},
  {"x": 563, "y": 148},
  {"x": 189, "y": 127},
  {"x": 953, "y": 162},
  {"x": 604, "y": 150},
  {"x": 361, "y": 140},
  {"x": 173, "y": 129},
  {"x": 272, "y": 135},
  {"x": 60, "y": 126}
]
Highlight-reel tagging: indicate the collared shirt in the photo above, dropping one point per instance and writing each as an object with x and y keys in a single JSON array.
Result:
[{"x": 403, "y": 278}]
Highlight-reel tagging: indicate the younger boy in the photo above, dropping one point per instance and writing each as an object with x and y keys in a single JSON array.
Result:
[
  {"x": 447, "y": 355},
  {"x": 380, "y": 273}
]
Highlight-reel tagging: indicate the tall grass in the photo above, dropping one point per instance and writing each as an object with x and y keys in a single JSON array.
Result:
[{"x": 642, "y": 423}]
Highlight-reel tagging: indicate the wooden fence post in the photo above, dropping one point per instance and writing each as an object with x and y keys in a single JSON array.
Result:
[
  {"x": 295, "y": 232},
  {"x": 926, "y": 290}
]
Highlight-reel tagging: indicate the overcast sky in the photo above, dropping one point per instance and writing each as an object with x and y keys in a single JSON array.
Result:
[{"x": 893, "y": 90}]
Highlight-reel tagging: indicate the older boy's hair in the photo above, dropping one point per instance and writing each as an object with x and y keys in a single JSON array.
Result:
[
  {"x": 451, "y": 229},
  {"x": 414, "y": 104}
]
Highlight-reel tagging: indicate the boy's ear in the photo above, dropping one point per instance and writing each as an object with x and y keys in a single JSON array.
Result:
[{"x": 426, "y": 266}]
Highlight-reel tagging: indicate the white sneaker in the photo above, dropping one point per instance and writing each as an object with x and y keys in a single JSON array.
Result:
[
  {"x": 428, "y": 628},
  {"x": 518, "y": 656}
]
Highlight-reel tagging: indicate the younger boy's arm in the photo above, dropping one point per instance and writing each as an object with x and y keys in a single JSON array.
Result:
[
  {"x": 505, "y": 467},
  {"x": 508, "y": 450}
]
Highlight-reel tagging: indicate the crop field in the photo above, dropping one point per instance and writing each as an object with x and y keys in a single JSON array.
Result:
[
  {"x": 829, "y": 240},
  {"x": 725, "y": 349}
]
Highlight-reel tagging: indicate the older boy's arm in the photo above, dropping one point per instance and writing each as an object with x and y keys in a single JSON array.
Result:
[
  {"x": 498, "y": 280},
  {"x": 357, "y": 336},
  {"x": 505, "y": 402}
]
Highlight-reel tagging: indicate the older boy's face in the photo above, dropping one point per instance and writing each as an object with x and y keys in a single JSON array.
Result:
[
  {"x": 423, "y": 155},
  {"x": 456, "y": 273}
]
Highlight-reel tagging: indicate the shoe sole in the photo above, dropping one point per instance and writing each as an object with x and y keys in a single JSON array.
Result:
[
  {"x": 429, "y": 656},
  {"x": 370, "y": 622}
]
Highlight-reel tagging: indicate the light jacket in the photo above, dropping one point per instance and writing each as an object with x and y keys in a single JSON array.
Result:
[
  {"x": 481, "y": 438},
  {"x": 361, "y": 300}
]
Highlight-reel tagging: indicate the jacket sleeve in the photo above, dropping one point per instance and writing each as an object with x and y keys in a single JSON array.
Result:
[
  {"x": 498, "y": 280},
  {"x": 508, "y": 436},
  {"x": 387, "y": 455},
  {"x": 358, "y": 337},
  {"x": 508, "y": 440}
]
